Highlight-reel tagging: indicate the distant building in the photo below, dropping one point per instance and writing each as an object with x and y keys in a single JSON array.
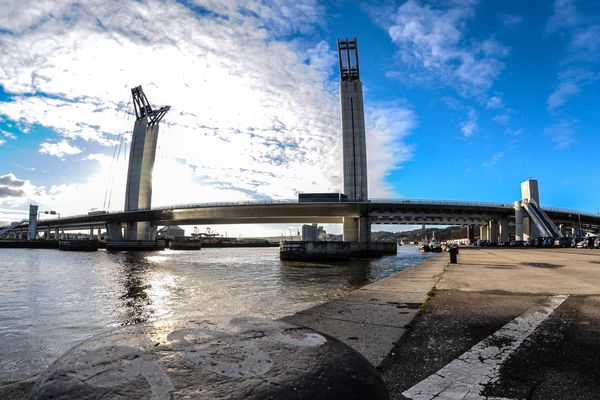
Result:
[
  {"x": 171, "y": 232},
  {"x": 313, "y": 233}
]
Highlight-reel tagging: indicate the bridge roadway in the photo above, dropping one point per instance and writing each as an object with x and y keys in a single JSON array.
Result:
[{"x": 273, "y": 212}]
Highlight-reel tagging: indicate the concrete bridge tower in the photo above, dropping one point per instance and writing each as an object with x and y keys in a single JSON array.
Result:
[
  {"x": 354, "y": 145},
  {"x": 138, "y": 194}
]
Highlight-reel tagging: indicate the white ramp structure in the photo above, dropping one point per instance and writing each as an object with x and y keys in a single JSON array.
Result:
[
  {"x": 138, "y": 194},
  {"x": 353, "y": 138},
  {"x": 531, "y": 221}
]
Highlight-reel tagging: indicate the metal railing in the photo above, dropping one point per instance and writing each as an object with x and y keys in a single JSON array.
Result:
[{"x": 573, "y": 212}]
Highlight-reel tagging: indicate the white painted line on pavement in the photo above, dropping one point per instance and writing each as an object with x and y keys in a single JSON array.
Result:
[{"x": 466, "y": 376}]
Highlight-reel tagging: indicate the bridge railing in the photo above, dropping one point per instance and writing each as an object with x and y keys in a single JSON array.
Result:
[
  {"x": 442, "y": 202},
  {"x": 388, "y": 201},
  {"x": 225, "y": 204},
  {"x": 574, "y": 212}
]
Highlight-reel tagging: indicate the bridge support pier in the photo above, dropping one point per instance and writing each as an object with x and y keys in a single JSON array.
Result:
[
  {"x": 484, "y": 232},
  {"x": 357, "y": 229},
  {"x": 519, "y": 215},
  {"x": 577, "y": 231},
  {"x": 114, "y": 232},
  {"x": 493, "y": 231},
  {"x": 470, "y": 233},
  {"x": 504, "y": 236}
]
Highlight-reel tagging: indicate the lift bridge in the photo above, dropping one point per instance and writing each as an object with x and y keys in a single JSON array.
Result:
[{"x": 521, "y": 220}]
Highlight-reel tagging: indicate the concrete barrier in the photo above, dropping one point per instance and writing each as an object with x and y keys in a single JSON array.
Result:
[
  {"x": 373, "y": 249},
  {"x": 314, "y": 250},
  {"x": 135, "y": 245},
  {"x": 211, "y": 358}
]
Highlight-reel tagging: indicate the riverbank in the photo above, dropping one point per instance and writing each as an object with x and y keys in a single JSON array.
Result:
[
  {"x": 45, "y": 309},
  {"x": 373, "y": 318}
]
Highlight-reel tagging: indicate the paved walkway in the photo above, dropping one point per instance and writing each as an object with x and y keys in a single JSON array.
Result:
[
  {"x": 505, "y": 324},
  {"x": 373, "y": 318}
]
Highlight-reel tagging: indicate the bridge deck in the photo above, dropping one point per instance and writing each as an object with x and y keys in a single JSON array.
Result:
[{"x": 379, "y": 212}]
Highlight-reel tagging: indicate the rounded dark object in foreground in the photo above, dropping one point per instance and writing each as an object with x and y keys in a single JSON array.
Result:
[{"x": 211, "y": 358}]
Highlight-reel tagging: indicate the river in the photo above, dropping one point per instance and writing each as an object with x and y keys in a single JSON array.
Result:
[{"x": 51, "y": 299}]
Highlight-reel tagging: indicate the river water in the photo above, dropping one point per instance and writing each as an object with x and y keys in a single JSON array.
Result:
[{"x": 51, "y": 299}]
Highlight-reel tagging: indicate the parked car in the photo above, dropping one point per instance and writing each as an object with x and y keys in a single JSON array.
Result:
[
  {"x": 597, "y": 242},
  {"x": 563, "y": 242},
  {"x": 543, "y": 242},
  {"x": 586, "y": 243}
]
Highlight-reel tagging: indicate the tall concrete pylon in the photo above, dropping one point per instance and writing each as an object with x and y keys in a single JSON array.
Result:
[
  {"x": 354, "y": 146},
  {"x": 138, "y": 194}
]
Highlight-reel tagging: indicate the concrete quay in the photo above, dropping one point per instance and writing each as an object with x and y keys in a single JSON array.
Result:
[
  {"x": 372, "y": 319},
  {"x": 505, "y": 324}
]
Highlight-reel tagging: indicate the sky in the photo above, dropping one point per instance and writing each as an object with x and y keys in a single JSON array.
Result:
[{"x": 464, "y": 100}]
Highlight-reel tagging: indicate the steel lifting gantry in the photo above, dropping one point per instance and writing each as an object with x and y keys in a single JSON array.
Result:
[
  {"x": 144, "y": 109},
  {"x": 348, "y": 56}
]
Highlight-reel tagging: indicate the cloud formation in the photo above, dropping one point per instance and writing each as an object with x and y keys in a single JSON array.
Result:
[
  {"x": 11, "y": 180},
  {"x": 582, "y": 50},
  {"x": 387, "y": 127},
  {"x": 254, "y": 115},
  {"x": 59, "y": 149},
  {"x": 469, "y": 127},
  {"x": 432, "y": 42},
  {"x": 562, "y": 133},
  {"x": 11, "y": 186},
  {"x": 10, "y": 192}
]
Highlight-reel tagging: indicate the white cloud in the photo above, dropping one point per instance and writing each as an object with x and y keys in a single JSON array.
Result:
[
  {"x": 387, "y": 129},
  {"x": 100, "y": 157},
  {"x": 2, "y": 141},
  {"x": 59, "y": 149},
  {"x": 433, "y": 40},
  {"x": 562, "y": 93},
  {"x": 15, "y": 196},
  {"x": 469, "y": 127},
  {"x": 11, "y": 180},
  {"x": 583, "y": 33},
  {"x": 7, "y": 134},
  {"x": 562, "y": 134},
  {"x": 565, "y": 15},
  {"x": 254, "y": 115},
  {"x": 493, "y": 160},
  {"x": 502, "y": 119},
  {"x": 494, "y": 102},
  {"x": 511, "y": 20}
]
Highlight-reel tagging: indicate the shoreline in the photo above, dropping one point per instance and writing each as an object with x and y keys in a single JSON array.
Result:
[
  {"x": 373, "y": 318},
  {"x": 370, "y": 319}
]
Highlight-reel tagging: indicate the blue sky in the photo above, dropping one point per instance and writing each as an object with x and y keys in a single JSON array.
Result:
[{"x": 464, "y": 99}]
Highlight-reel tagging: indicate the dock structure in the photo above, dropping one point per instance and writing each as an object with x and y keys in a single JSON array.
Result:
[{"x": 354, "y": 145}]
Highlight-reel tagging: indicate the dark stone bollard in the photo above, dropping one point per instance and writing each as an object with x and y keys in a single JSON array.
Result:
[
  {"x": 211, "y": 358},
  {"x": 453, "y": 254}
]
